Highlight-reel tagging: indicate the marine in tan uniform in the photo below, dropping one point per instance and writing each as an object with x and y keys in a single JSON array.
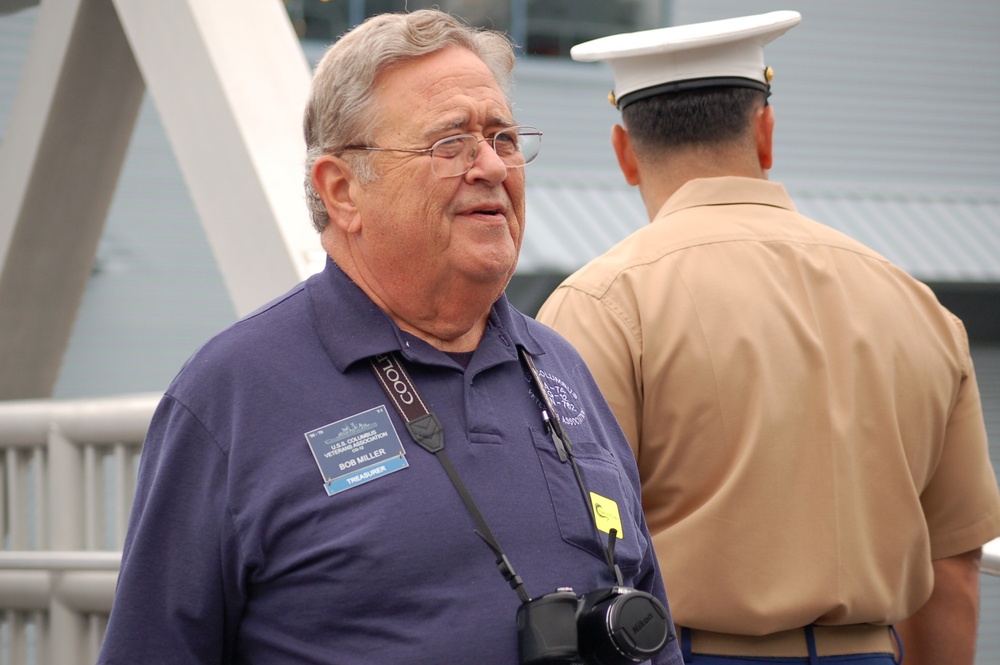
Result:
[{"x": 805, "y": 415}]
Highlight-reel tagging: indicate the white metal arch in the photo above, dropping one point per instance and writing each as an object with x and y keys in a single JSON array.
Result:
[{"x": 229, "y": 81}]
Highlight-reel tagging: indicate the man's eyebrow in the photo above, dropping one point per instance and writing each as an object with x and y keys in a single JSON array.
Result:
[
  {"x": 460, "y": 124},
  {"x": 501, "y": 121},
  {"x": 435, "y": 130}
]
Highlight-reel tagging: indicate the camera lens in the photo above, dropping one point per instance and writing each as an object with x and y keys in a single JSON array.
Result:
[
  {"x": 546, "y": 629},
  {"x": 622, "y": 626}
]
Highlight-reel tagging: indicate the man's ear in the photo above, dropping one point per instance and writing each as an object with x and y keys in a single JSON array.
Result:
[
  {"x": 763, "y": 129},
  {"x": 622, "y": 143},
  {"x": 336, "y": 185}
]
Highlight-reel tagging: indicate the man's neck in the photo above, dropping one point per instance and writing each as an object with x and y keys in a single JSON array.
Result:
[
  {"x": 446, "y": 340},
  {"x": 448, "y": 317},
  {"x": 659, "y": 181}
]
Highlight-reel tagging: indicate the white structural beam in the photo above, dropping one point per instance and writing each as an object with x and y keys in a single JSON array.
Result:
[
  {"x": 66, "y": 138},
  {"x": 230, "y": 81}
]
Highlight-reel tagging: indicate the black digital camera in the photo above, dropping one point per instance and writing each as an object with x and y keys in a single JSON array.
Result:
[{"x": 613, "y": 626}]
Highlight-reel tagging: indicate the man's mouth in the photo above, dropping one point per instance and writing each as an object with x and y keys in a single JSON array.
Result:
[{"x": 486, "y": 210}]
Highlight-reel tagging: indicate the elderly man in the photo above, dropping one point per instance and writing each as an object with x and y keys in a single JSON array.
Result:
[
  {"x": 370, "y": 469},
  {"x": 805, "y": 415}
]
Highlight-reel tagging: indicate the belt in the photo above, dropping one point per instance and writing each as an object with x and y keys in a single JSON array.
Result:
[{"x": 830, "y": 641}]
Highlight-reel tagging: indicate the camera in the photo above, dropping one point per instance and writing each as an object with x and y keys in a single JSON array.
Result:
[{"x": 613, "y": 626}]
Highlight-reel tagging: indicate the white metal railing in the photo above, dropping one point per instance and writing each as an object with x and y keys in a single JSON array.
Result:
[
  {"x": 991, "y": 558},
  {"x": 67, "y": 477}
]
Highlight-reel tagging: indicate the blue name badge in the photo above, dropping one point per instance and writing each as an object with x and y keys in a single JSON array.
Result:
[{"x": 356, "y": 450}]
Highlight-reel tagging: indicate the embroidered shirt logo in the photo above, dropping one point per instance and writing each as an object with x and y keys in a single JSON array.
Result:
[{"x": 565, "y": 400}]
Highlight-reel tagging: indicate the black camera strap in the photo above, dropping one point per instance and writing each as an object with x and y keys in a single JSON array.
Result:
[
  {"x": 564, "y": 447},
  {"x": 426, "y": 430}
]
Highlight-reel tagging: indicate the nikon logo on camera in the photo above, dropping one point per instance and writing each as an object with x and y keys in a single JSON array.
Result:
[{"x": 641, "y": 623}]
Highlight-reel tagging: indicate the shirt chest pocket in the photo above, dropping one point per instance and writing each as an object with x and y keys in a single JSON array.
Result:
[{"x": 572, "y": 510}]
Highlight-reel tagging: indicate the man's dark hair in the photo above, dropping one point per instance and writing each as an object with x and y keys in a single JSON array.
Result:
[{"x": 705, "y": 116}]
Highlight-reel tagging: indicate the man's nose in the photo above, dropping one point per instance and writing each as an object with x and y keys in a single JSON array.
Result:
[{"x": 487, "y": 165}]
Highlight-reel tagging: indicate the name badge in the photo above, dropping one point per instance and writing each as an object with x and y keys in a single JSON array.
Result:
[{"x": 357, "y": 450}]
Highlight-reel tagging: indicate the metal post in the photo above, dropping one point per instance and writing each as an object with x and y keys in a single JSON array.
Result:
[{"x": 65, "y": 532}]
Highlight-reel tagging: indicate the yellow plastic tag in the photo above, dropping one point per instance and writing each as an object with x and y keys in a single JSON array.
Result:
[{"x": 606, "y": 512}]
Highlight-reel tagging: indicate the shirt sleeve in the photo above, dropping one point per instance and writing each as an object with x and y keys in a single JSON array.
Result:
[
  {"x": 961, "y": 502},
  {"x": 604, "y": 338},
  {"x": 178, "y": 597}
]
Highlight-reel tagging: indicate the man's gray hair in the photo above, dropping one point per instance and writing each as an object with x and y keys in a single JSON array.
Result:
[{"x": 342, "y": 105}]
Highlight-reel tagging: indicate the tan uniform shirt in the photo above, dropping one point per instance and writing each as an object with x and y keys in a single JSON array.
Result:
[{"x": 805, "y": 415}]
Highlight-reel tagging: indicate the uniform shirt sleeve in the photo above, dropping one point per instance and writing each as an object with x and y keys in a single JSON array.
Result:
[
  {"x": 604, "y": 338},
  {"x": 961, "y": 501},
  {"x": 178, "y": 594}
]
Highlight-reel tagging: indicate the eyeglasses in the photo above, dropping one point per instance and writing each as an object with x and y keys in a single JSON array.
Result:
[{"x": 455, "y": 155}]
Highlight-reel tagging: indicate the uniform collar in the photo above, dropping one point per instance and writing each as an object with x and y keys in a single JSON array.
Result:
[
  {"x": 726, "y": 190},
  {"x": 351, "y": 327}
]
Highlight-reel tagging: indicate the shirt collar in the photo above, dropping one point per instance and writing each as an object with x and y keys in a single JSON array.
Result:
[
  {"x": 727, "y": 190},
  {"x": 351, "y": 327}
]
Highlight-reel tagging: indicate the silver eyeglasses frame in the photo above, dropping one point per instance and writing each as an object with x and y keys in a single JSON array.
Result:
[{"x": 454, "y": 156}]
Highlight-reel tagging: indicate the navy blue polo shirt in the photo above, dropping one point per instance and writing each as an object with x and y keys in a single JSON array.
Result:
[{"x": 257, "y": 537}]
